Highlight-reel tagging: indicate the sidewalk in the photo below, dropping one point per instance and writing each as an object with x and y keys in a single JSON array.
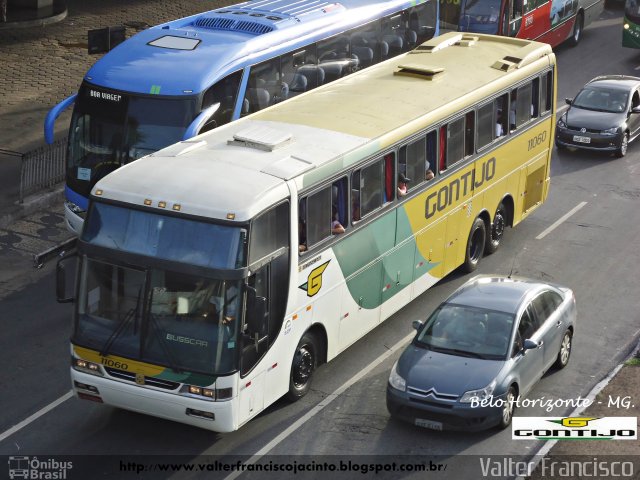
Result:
[{"x": 42, "y": 65}]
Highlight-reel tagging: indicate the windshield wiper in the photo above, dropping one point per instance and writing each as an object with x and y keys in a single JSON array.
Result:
[
  {"x": 132, "y": 313},
  {"x": 464, "y": 353}
]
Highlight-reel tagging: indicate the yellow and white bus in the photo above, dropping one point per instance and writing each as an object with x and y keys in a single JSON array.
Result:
[{"x": 210, "y": 280}]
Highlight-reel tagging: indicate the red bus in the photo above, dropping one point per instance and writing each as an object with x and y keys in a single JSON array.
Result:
[{"x": 549, "y": 21}]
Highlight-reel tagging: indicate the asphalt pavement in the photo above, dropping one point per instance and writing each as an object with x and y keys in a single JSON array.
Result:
[{"x": 43, "y": 64}]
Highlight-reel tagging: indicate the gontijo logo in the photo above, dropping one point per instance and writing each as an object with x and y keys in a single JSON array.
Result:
[
  {"x": 314, "y": 280},
  {"x": 575, "y": 428}
]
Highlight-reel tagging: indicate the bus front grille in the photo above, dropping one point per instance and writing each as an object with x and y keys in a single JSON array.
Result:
[{"x": 150, "y": 381}]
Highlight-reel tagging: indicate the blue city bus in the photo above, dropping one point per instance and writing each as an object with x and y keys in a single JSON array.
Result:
[{"x": 178, "y": 79}]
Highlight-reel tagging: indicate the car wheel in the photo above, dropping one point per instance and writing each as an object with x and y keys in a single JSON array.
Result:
[
  {"x": 475, "y": 245},
  {"x": 565, "y": 350},
  {"x": 624, "y": 143},
  {"x": 497, "y": 230},
  {"x": 577, "y": 31},
  {"x": 508, "y": 408},
  {"x": 304, "y": 363}
]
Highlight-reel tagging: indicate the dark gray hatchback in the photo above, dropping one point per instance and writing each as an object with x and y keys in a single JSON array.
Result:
[
  {"x": 604, "y": 116},
  {"x": 482, "y": 348}
]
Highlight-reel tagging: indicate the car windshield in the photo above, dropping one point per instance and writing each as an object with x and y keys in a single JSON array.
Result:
[
  {"x": 467, "y": 331},
  {"x": 601, "y": 99}
]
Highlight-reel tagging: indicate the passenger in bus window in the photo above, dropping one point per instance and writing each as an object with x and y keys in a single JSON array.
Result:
[
  {"x": 402, "y": 185},
  {"x": 355, "y": 205},
  {"x": 499, "y": 128},
  {"x": 302, "y": 237},
  {"x": 428, "y": 174},
  {"x": 336, "y": 226}
]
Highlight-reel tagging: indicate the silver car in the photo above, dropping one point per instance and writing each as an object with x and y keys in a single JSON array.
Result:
[{"x": 482, "y": 348}]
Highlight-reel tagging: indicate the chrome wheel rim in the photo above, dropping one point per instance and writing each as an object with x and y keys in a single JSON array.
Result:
[
  {"x": 565, "y": 349},
  {"x": 507, "y": 411},
  {"x": 498, "y": 227}
]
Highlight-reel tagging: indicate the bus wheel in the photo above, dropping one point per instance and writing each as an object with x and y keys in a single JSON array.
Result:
[
  {"x": 577, "y": 30},
  {"x": 497, "y": 230},
  {"x": 304, "y": 363},
  {"x": 475, "y": 246}
]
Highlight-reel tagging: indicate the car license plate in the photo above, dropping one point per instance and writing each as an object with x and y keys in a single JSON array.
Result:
[
  {"x": 578, "y": 138},
  {"x": 420, "y": 422}
]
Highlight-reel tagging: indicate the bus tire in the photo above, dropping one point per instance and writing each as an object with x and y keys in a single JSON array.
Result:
[
  {"x": 305, "y": 360},
  {"x": 475, "y": 246},
  {"x": 497, "y": 230},
  {"x": 575, "y": 37}
]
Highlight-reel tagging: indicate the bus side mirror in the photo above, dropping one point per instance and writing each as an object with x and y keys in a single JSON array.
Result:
[
  {"x": 61, "y": 280},
  {"x": 256, "y": 310}
]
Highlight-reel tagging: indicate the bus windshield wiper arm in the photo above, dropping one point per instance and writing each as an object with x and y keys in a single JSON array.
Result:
[{"x": 133, "y": 312}]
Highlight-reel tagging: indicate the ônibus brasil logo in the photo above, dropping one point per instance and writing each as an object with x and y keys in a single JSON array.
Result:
[{"x": 574, "y": 428}]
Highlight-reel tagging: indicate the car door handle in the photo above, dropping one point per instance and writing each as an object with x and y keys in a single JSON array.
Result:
[
  {"x": 540, "y": 344},
  {"x": 558, "y": 323}
]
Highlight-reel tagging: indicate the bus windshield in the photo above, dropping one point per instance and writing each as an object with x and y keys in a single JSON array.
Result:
[
  {"x": 481, "y": 16},
  {"x": 110, "y": 129},
  {"x": 169, "y": 238},
  {"x": 184, "y": 322}
]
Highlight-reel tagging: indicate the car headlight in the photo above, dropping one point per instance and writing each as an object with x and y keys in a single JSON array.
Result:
[
  {"x": 479, "y": 395},
  {"x": 395, "y": 380},
  {"x": 610, "y": 131},
  {"x": 562, "y": 122}
]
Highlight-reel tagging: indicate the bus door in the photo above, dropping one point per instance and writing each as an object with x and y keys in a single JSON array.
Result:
[{"x": 265, "y": 303}]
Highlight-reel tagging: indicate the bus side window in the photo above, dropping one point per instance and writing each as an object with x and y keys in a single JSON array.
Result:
[
  {"x": 546, "y": 91},
  {"x": 225, "y": 92},
  {"x": 487, "y": 125},
  {"x": 374, "y": 185},
  {"x": 469, "y": 133},
  {"x": 324, "y": 213},
  {"x": 365, "y": 47},
  {"x": 422, "y": 20},
  {"x": 535, "y": 98},
  {"x": 290, "y": 63},
  {"x": 265, "y": 86},
  {"x": 455, "y": 141},
  {"x": 412, "y": 162},
  {"x": 334, "y": 57}
]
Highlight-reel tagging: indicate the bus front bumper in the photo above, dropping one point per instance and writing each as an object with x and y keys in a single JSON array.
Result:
[{"x": 161, "y": 404}]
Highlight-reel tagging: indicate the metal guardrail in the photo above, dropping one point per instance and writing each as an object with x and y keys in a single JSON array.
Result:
[{"x": 42, "y": 168}]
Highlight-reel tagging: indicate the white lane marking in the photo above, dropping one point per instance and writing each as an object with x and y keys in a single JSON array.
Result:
[
  {"x": 36, "y": 415},
  {"x": 318, "y": 408},
  {"x": 561, "y": 220}
]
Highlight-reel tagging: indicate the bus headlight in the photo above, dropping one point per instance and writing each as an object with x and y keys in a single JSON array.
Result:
[
  {"x": 75, "y": 209},
  {"x": 86, "y": 367},
  {"x": 211, "y": 394},
  {"x": 395, "y": 380}
]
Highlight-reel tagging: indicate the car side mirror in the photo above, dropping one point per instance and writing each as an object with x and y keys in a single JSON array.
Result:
[
  {"x": 569, "y": 101},
  {"x": 635, "y": 110},
  {"x": 530, "y": 344},
  {"x": 416, "y": 324}
]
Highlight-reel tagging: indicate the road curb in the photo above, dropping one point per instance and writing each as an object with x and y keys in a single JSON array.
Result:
[{"x": 33, "y": 204}]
